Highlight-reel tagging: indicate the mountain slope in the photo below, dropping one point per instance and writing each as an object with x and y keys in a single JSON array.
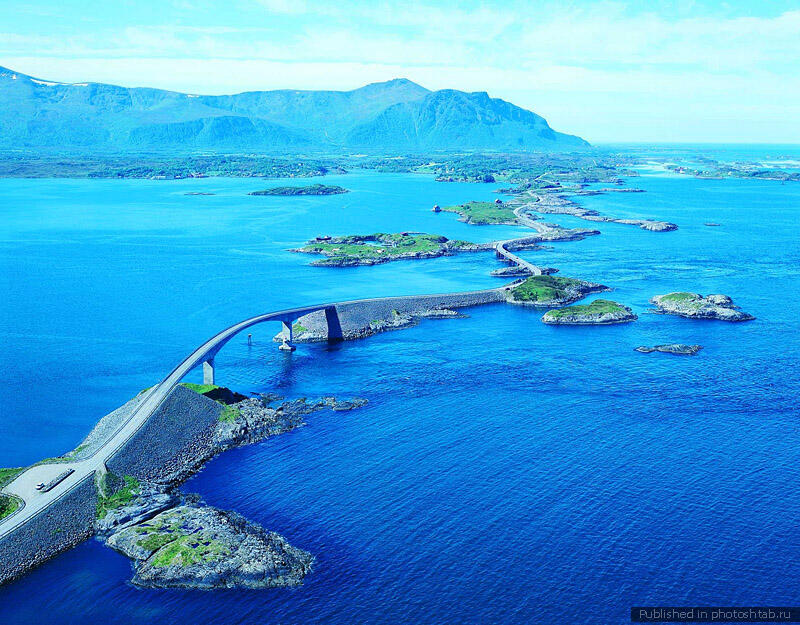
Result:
[{"x": 392, "y": 116}]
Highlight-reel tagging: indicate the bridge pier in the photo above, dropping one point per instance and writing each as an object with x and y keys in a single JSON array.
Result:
[
  {"x": 208, "y": 371},
  {"x": 286, "y": 345}
]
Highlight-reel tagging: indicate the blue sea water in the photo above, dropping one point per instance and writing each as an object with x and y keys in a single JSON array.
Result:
[{"x": 504, "y": 471}]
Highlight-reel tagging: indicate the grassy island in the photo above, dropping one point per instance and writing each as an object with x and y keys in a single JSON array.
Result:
[
  {"x": 372, "y": 249},
  {"x": 545, "y": 289},
  {"x": 696, "y": 306},
  {"x": 484, "y": 213},
  {"x": 599, "y": 312},
  {"x": 314, "y": 189}
]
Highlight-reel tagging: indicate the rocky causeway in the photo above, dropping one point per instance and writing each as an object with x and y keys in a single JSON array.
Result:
[{"x": 555, "y": 203}]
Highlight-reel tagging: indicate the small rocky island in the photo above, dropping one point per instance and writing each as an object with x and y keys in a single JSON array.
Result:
[
  {"x": 679, "y": 349},
  {"x": 197, "y": 546},
  {"x": 373, "y": 249},
  {"x": 484, "y": 213},
  {"x": 314, "y": 189},
  {"x": 599, "y": 312},
  {"x": 547, "y": 291},
  {"x": 695, "y": 306}
]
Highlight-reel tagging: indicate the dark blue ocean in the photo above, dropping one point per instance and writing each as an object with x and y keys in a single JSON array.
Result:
[{"x": 504, "y": 471}]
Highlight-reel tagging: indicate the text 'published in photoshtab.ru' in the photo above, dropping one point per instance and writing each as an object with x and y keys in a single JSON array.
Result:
[{"x": 715, "y": 615}]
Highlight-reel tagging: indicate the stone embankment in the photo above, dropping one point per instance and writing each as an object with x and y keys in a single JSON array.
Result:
[
  {"x": 52, "y": 531},
  {"x": 178, "y": 437}
]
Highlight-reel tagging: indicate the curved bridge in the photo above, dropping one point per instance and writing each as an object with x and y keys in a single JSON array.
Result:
[
  {"x": 24, "y": 485},
  {"x": 35, "y": 502}
]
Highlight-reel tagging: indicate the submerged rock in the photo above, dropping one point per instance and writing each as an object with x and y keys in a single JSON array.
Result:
[
  {"x": 345, "y": 405},
  {"x": 695, "y": 306},
  {"x": 599, "y": 312},
  {"x": 671, "y": 348},
  {"x": 197, "y": 546}
]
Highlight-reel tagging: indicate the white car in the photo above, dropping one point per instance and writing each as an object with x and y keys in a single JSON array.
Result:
[{"x": 40, "y": 486}]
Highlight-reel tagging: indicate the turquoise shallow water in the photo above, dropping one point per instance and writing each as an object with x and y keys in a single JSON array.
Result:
[{"x": 504, "y": 471}]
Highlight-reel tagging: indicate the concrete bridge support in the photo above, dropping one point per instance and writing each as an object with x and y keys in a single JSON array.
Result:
[
  {"x": 208, "y": 371},
  {"x": 287, "y": 345}
]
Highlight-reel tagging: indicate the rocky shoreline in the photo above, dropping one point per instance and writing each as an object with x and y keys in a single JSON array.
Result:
[
  {"x": 177, "y": 541},
  {"x": 193, "y": 545}
]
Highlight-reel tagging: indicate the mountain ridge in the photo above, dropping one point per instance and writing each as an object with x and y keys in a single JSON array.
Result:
[{"x": 391, "y": 116}]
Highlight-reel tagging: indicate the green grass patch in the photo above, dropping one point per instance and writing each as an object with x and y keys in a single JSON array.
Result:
[
  {"x": 683, "y": 299},
  {"x": 155, "y": 541},
  {"x": 187, "y": 550},
  {"x": 597, "y": 307},
  {"x": 299, "y": 328},
  {"x": 202, "y": 389},
  {"x": 8, "y": 505},
  {"x": 8, "y": 475},
  {"x": 679, "y": 297},
  {"x": 543, "y": 289},
  {"x": 122, "y": 497},
  {"x": 483, "y": 213},
  {"x": 51, "y": 460},
  {"x": 229, "y": 414}
]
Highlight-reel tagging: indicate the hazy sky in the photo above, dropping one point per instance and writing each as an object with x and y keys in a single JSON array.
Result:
[{"x": 608, "y": 71}]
